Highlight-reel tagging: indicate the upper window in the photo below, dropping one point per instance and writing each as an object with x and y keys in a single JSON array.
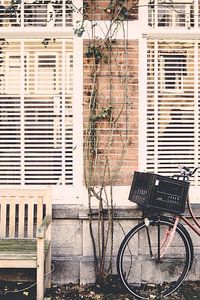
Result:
[
  {"x": 172, "y": 14},
  {"x": 28, "y": 13}
]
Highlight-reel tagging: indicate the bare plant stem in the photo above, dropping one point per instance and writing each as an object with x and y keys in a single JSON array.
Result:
[{"x": 102, "y": 233}]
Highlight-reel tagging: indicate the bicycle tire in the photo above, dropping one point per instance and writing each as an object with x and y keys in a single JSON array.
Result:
[{"x": 141, "y": 273}]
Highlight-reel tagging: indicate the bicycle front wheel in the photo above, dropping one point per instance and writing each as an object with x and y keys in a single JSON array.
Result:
[{"x": 141, "y": 267}]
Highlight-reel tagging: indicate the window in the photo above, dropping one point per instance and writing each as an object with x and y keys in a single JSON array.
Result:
[
  {"x": 32, "y": 13},
  {"x": 173, "y": 118},
  {"x": 173, "y": 68},
  {"x": 174, "y": 14},
  {"x": 36, "y": 122}
]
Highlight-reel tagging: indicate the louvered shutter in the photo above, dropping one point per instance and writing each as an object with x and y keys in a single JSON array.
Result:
[
  {"x": 31, "y": 14},
  {"x": 172, "y": 105},
  {"x": 36, "y": 113}
]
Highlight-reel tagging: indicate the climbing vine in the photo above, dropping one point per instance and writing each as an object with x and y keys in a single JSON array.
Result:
[{"x": 106, "y": 131}]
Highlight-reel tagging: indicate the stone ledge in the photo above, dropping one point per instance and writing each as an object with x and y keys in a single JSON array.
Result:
[
  {"x": 66, "y": 211},
  {"x": 71, "y": 211},
  {"x": 125, "y": 212}
]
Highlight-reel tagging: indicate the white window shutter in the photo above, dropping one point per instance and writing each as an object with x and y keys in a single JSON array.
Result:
[
  {"x": 34, "y": 143},
  {"x": 173, "y": 112}
]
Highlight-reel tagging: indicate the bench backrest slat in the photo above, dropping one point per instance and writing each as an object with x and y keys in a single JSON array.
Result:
[
  {"x": 12, "y": 218},
  {"x": 3, "y": 217},
  {"x": 30, "y": 220},
  {"x": 22, "y": 210},
  {"x": 21, "y": 217}
]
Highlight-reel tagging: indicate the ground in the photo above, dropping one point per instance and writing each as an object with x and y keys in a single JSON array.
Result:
[{"x": 188, "y": 291}]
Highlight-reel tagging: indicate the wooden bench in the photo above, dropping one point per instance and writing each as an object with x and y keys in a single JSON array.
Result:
[{"x": 25, "y": 232}]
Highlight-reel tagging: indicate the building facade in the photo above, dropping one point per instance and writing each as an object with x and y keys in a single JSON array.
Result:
[{"x": 150, "y": 82}]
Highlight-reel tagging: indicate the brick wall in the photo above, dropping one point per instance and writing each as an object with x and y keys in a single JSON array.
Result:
[
  {"x": 115, "y": 83},
  {"x": 116, "y": 87},
  {"x": 104, "y": 9}
]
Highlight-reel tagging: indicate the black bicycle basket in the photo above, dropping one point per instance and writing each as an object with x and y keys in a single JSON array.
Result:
[{"x": 153, "y": 191}]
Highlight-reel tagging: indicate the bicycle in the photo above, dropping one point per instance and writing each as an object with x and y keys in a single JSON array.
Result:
[{"x": 156, "y": 255}]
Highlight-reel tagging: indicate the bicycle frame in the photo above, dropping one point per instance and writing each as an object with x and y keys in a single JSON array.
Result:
[
  {"x": 164, "y": 245},
  {"x": 186, "y": 173},
  {"x": 169, "y": 235},
  {"x": 196, "y": 227}
]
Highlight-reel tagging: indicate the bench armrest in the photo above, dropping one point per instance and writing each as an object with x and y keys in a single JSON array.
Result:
[{"x": 43, "y": 227}]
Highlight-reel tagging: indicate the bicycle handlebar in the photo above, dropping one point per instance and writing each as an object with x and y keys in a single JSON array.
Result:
[{"x": 185, "y": 171}]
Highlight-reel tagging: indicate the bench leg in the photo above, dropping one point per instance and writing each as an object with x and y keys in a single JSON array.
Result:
[
  {"x": 40, "y": 269},
  {"x": 48, "y": 269}
]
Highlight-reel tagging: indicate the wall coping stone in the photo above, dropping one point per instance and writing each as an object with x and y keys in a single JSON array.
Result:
[
  {"x": 65, "y": 211},
  {"x": 76, "y": 211}
]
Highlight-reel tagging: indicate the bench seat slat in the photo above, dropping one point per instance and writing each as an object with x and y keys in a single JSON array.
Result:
[
  {"x": 19, "y": 247},
  {"x": 11, "y": 262}
]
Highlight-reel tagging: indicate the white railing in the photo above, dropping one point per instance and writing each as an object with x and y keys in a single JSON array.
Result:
[
  {"x": 36, "y": 13},
  {"x": 171, "y": 14}
]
